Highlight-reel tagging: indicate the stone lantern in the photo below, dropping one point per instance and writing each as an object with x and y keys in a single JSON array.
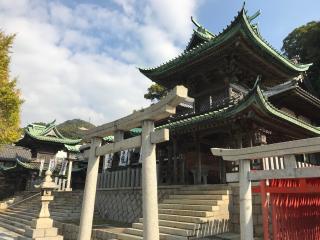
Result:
[{"x": 42, "y": 227}]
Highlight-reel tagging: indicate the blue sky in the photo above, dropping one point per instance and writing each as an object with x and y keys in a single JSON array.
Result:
[
  {"x": 78, "y": 59},
  {"x": 278, "y": 17}
]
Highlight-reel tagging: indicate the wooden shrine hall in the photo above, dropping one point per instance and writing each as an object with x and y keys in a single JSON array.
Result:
[
  {"x": 243, "y": 89},
  {"x": 239, "y": 87}
]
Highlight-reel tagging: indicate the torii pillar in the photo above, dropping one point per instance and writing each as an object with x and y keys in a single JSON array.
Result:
[
  {"x": 149, "y": 183},
  {"x": 89, "y": 194}
]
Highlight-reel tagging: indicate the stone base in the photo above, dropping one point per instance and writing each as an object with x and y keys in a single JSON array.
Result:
[
  {"x": 41, "y": 234},
  {"x": 42, "y": 223}
]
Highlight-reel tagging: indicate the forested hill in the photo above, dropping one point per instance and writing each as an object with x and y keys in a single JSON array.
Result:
[{"x": 74, "y": 128}]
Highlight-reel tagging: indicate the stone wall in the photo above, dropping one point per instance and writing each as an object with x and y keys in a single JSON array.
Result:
[
  {"x": 70, "y": 232},
  {"x": 125, "y": 204},
  {"x": 235, "y": 212}
]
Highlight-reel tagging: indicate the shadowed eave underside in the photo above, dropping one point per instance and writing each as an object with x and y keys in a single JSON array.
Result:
[{"x": 254, "y": 99}]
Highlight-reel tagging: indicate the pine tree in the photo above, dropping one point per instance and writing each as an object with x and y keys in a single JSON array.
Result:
[
  {"x": 155, "y": 92},
  {"x": 10, "y": 101}
]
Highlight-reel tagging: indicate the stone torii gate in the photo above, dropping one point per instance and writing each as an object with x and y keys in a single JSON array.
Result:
[{"x": 147, "y": 141}]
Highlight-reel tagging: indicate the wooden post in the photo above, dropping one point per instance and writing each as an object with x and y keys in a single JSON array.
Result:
[
  {"x": 89, "y": 194},
  {"x": 160, "y": 163},
  {"x": 175, "y": 162},
  {"x": 199, "y": 173},
  {"x": 69, "y": 176},
  {"x": 149, "y": 184},
  {"x": 265, "y": 214},
  {"x": 169, "y": 165},
  {"x": 182, "y": 170},
  {"x": 290, "y": 161}
]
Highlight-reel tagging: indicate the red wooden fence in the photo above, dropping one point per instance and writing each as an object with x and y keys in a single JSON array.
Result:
[{"x": 295, "y": 208}]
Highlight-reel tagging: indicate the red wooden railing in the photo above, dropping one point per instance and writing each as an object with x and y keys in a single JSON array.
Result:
[{"x": 295, "y": 208}]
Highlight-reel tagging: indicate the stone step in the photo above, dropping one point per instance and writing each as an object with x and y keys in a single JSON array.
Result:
[
  {"x": 12, "y": 228},
  {"x": 169, "y": 230},
  {"x": 55, "y": 215},
  {"x": 175, "y": 224},
  {"x": 12, "y": 222},
  {"x": 51, "y": 207},
  {"x": 207, "y": 187},
  {"x": 227, "y": 236},
  {"x": 179, "y": 218},
  {"x": 45, "y": 238},
  {"x": 189, "y": 207},
  {"x": 186, "y": 212},
  {"x": 6, "y": 234},
  {"x": 124, "y": 236},
  {"x": 31, "y": 214},
  {"x": 193, "y": 201},
  {"x": 206, "y": 192},
  {"x": 21, "y": 216},
  {"x": 200, "y": 197},
  {"x": 163, "y": 236},
  {"x": 15, "y": 218}
]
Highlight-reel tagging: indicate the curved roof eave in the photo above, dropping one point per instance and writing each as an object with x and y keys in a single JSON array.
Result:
[
  {"x": 51, "y": 139},
  {"x": 255, "y": 96},
  {"x": 230, "y": 31}
]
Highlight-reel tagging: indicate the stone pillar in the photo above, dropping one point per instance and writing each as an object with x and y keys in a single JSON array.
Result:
[
  {"x": 149, "y": 184},
  {"x": 245, "y": 196},
  {"x": 42, "y": 227},
  {"x": 89, "y": 194},
  {"x": 69, "y": 176}
]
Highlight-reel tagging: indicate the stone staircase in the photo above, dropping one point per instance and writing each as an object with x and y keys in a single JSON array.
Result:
[
  {"x": 65, "y": 207},
  {"x": 193, "y": 212}
]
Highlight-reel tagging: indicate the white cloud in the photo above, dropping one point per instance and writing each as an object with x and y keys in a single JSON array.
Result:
[{"x": 80, "y": 62}]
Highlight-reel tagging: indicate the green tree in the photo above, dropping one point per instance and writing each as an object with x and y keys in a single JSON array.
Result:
[
  {"x": 155, "y": 92},
  {"x": 74, "y": 128},
  {"x": 304, "y": 43},
  {"x": 10, "y": 101}
]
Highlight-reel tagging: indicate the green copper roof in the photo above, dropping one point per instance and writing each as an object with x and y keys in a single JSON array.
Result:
[
  {"x": 133, "y": 132},
  {"x": 241, "y": 24},
  {"x": 48, "y": 133},
  {"x": 254, "y": 98},
  {"x": 200, "y": 35},
  {"x": 73, "y": 148},
  {"x": 109, "y": 138},
  {"x": 4, "y": 168},
  {"x": 36, "y": 166},
  {"x": 136, "y": 131}
]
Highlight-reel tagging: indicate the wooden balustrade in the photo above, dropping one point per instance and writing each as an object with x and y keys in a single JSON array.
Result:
[{"x": 126, "y": 177}]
